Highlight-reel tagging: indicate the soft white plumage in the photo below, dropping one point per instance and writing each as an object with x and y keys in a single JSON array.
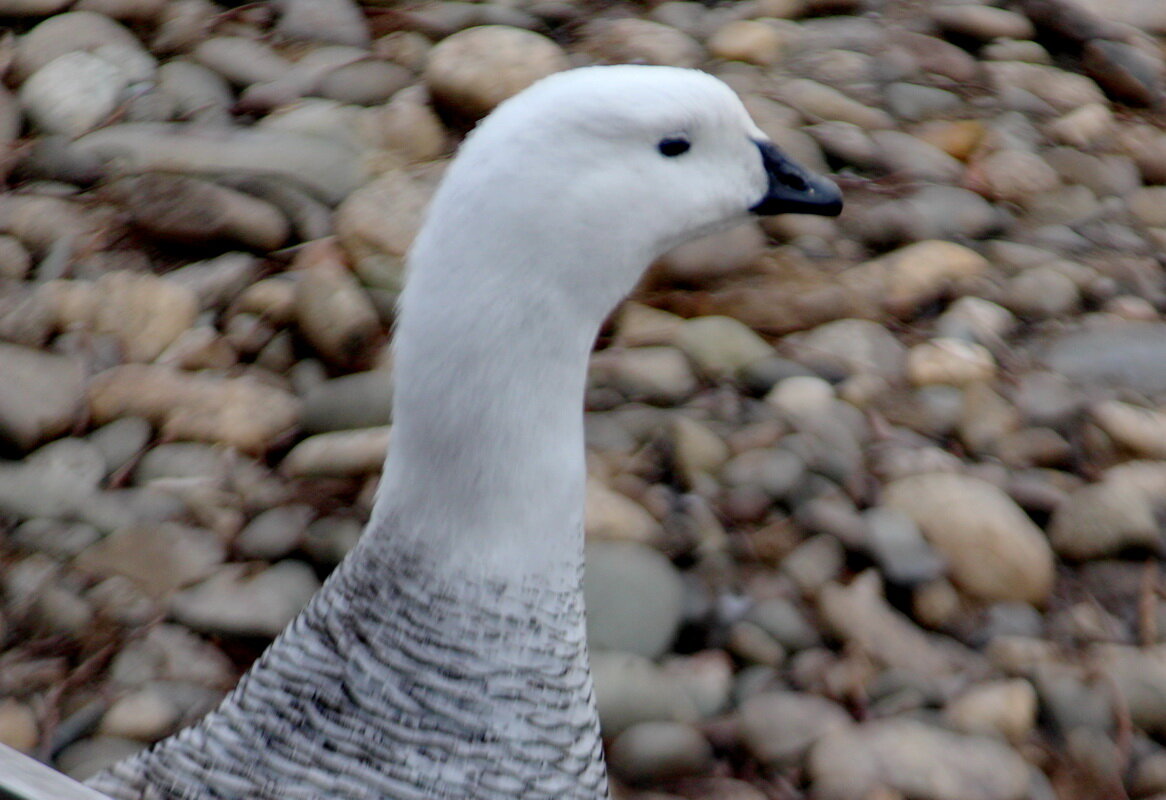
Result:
[{"x": 446, "y": 657}]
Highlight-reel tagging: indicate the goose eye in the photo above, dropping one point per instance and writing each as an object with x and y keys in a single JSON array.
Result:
[{"x": 673, "y": 146}]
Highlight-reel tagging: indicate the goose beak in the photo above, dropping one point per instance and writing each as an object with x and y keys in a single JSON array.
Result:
[{"x": 793, "y": 189}]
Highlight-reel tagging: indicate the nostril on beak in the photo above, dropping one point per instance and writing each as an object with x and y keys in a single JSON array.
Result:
[{"x": 794, "y": 189}]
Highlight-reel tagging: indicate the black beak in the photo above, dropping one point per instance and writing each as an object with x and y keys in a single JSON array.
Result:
[{"x": 793, "y": 189}]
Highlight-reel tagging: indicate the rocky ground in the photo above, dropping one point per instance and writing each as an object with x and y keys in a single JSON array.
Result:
[{"x": 875, "y": 505}]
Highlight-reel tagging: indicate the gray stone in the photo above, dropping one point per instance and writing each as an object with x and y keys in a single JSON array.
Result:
[
  {"x": 779, "y": 728},
  {"x": 915, "y": 760},
  {"x": 630, "y": 689},
  {"x": 40, "y": 395},
  {"x": 274, "y": 533},
  {"x": 1116, "y": 354},
  {"x": 633, "y": 596},
  {"x": 234, "y": 602},
  {"x": 900, "y": 549},
  {"x": 659, "y": 751}
]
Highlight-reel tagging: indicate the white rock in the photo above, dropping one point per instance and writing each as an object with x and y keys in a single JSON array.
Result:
[{"x": 73, "y": 94}]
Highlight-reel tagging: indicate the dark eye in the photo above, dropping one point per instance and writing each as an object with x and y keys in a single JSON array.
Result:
[{"x": 673, "y": 146}]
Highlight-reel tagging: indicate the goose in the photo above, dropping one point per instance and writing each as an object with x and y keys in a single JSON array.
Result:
[{"x": 445, "y": 657}]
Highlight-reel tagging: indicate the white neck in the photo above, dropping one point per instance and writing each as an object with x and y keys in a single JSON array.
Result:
[{"x": 486, "y": 461}]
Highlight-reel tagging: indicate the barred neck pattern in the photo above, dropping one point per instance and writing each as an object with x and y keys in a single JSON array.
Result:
[{"x": 397, "y": 683}]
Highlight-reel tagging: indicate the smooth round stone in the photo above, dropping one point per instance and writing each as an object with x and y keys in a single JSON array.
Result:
[
  {"x": 239, "y": 411},
  {"x": 821, "y": 102},
  {"x": 713, "y": 256},
  {"x": 1042, "y": 293},
  {"x": 342, "y": 454},
  {"x": 952, "y": 362},
  {"x": 915, "y": 760},
  {"x": 336, "y": 21},
  {"x": 74, "y": 31},
  {"x": 747, "y": 40},
  {"x": 357, "y": 400},
  {"x": 721, "y": 346},
  {"x": 1011, "y": 175},
  {"x": 900, "y": 549},
  {"x": 1084, "y": 126},
  {"x": 652, "y": 374},
  {"x": 814, "y": 563},
  {"x": 659, "y": 751},
  {"x": 235, "y": 603},
  {"x": 634, "y": 598},
  {"x": 72, "y": 94},
  {"x": 977, "y": 320},
  {"x": 913, "y": 102},
  {"x": 55, "y": 537},
  {"x": 54, "y": 481},
  {"x": 782, "y": 620},
  {"x": 329, "y": 539},
  {"x": 779, "y": 728},
  {"x": 160, "y": 559},
  {"x": 992, "y": 548},
  {"x": 1102, "y": 519},
  {"x": 612, "y": 516},
  {"x": 982, "y": 22},
  {"x": 640, "y": 41},
  {"x": 774, "y": 471},
  {"x": 274, "y": 533},
  {"x": 146, "y": 715},
  {"x": 1006, "y": 709},
  {"x": 474, "y": 70},
  {"x": 851, "y": 347},
  {"x": 87, "y": 757},
  {"x": 39, "y": 396},
  {"x": 1127, "y": 354},
  {"x": 630, "y": 689},
  {"x": 18, "y": 726}
]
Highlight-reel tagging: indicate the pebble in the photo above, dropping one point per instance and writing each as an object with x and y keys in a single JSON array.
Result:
[
  {"x": 721, "y": 347},
  {"x": 72, "y": 94},
  {"x": 146, "y": 715},
  {"x": 633, "y": 596},
  {"x": 992, "y": 548},
  {"x": 159, "y": 560},
  {"x": 1102, "y": 519},
  {"x": 85, "y": 758},
  {"x": 660, "y": 375},
  {"x": 274, "y": 533},
  {"x": 1005, "y": 708},
  {"x": 713, "y": 256},
  {"x": 377, "y": 223},
  {"x": 982, "y": 22},
  {"x": 951, "y": 362},
  {"x": 18, "y": 725},
  {"x": 900, "y": 549},
  {"x": 1127, "y": 354},
  {"x": 630, "y": 689},
  {"x": 1011, "y": 175},
  {"x": 851, "y": 347},
  {"x": 238, "y": 411},
  {"x": 40, "y": 396},
  {"x": 74, "y": 31},
  {"x": 659, "y": 751},
  {"x": 474, "y": 70},
  {"x": 326, "y": 168},
  {"x": 190, "y": 210},
  {"x": 780, "y": 727},
  {"x": 609, "y": 515},
  {"x": 752, "y": 41},
  {"x": 631, "y": 40},
  {"x": 348, "y": 453},
  {"x": 915, "y": 760},
  {"x": 860, "y": 616},
  {"x": 332, "y": 311},
  {"x": 338, "y": 21},
  {"x": 234, "y": 601},
  {"x": 820, "y": 102},
  {"x": 357, "y": 400}
]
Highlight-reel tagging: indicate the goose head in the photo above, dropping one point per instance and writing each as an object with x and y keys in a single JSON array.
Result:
[{"x": 624, "y": 162}]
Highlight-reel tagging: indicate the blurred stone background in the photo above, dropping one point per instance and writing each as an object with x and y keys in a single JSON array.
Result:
[{"x": 876, "y": 503}]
